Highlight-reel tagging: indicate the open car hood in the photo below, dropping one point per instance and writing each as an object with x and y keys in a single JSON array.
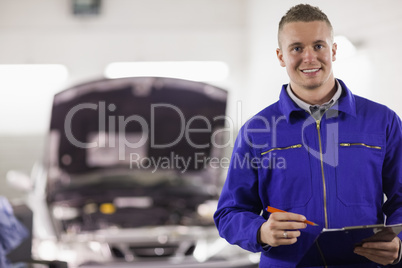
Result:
[{"x": 133, "y": 123}]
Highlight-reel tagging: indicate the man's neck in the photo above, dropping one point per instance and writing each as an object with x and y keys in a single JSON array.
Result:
[{"x": 317, "y": 96}]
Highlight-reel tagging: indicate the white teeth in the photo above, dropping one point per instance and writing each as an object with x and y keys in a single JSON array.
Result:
[{"x": 310, "y": 71}]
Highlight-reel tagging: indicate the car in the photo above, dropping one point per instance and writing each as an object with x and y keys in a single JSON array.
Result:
[{"x": 131, "y": 176}]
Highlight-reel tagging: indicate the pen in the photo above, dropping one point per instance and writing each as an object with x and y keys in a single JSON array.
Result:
[{"x": 272, "y": 210}]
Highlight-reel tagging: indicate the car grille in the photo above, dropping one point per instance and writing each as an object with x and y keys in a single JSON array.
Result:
[{"x": 152, "y": 251}]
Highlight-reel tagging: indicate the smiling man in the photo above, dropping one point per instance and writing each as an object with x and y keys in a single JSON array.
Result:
[
  {"x": 342, "y": 153},
  {"x": 307, "y": 51}
]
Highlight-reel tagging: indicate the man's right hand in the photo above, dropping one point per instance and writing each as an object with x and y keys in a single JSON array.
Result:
[{"x": 282, "y": 228}]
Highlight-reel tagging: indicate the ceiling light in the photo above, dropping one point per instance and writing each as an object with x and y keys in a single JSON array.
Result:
[{"x": 205, "y": 71}]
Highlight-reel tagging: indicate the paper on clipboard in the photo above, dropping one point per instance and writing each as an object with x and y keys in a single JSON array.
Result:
[{"x": 335, "y": 246}]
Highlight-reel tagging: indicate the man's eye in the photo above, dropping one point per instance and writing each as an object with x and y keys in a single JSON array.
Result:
[
  {"x": 297, "y": 49},
  {"x": 318, "y": 46}
]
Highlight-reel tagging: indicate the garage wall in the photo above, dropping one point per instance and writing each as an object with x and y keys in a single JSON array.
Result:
[{"x": 45, "y": 31}]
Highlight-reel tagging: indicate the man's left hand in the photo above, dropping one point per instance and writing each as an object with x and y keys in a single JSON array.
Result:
[{"x": 383, "y": 253}]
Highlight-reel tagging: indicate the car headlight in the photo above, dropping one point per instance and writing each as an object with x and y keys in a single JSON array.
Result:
[{"x": 220, "y": 249}]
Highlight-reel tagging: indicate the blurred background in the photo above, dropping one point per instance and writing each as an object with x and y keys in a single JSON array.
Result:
[{"x": 49, "y": 45}]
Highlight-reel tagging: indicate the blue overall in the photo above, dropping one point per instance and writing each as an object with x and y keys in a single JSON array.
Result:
[
  {"x": 335, "y": 171},
  {"x": 12, "y": 232}
]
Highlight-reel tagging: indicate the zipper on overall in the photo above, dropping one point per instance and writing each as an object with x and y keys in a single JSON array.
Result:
[
  {"x": 322, "y": 173},
  {"x": 324, "y": 187},
  {"x": 282, "y": 148},
  {"x": 360, "y": 144}
]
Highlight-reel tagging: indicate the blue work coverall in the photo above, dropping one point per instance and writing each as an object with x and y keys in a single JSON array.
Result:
[
  {"x": 12, "y": 232},
  {"x": 335, "y": 171}
]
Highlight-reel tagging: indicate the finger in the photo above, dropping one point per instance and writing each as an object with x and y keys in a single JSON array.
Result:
[
  {"x": 382, "y": 245},
  {"x": 289, "y": 234},
  {"x": 283, "y": 242},
  {"x": 286, "y": 225},
  {"x": 392, "y": 245},
  {"x": 287, "y": 216},
  {"x": 375, "y": 252},
  {"x": 288, "y": 241},
  {"x": 382, "y": 248},
  {"x": 379, "y": 256},
  {"x": 283, "y": 221},
  {"x": 293, "y": 225}
]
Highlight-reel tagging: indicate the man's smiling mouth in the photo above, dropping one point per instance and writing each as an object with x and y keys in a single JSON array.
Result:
[{"x": 310, "y": 70}]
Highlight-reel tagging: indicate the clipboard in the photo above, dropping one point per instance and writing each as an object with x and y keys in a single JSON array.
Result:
[{"x": 335, "y": 246}]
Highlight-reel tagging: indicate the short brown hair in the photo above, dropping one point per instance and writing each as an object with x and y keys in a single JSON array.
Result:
[{"x": 304, "y": 13}]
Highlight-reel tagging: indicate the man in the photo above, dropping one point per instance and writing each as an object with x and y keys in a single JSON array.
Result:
[{"x": 319, "y": 153}]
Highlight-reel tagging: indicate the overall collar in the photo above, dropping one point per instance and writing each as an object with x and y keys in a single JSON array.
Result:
[{"x": 346, "y": 102}]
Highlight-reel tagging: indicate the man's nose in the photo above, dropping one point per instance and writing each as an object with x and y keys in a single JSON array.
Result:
[{"x": 309, "y": 55}]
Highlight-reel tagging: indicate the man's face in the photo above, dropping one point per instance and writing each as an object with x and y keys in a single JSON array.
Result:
[{"x": 307, "y": 52}]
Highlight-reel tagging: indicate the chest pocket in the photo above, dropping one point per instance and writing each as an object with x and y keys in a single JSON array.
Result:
[
  {"x": 358, "y": 175},
  {"x": 286, "y": 175}
]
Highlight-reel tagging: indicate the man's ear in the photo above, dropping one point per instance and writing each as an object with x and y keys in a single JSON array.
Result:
[
  {"x": 279, "y": 54},
  {"x": 334, "y": 48}
]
